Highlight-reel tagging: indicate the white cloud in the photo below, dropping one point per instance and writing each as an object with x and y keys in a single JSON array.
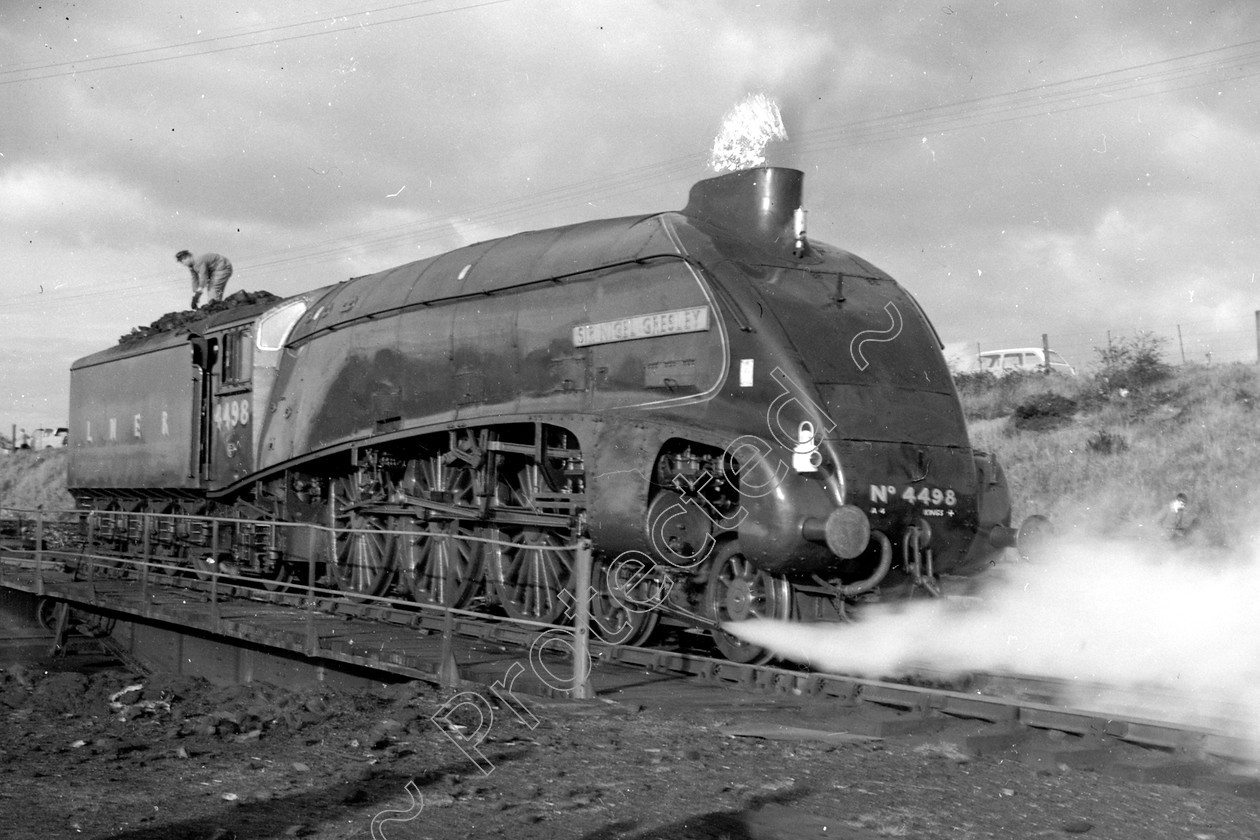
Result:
[
  {"x": 70, "y": 207},
  {"x": 1006, "y": 224}
]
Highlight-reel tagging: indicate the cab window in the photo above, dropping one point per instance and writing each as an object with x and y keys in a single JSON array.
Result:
[{"x": 237, "y": 356}]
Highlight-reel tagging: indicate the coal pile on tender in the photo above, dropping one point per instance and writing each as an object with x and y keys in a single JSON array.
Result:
[{"x": 188, "y": 319}]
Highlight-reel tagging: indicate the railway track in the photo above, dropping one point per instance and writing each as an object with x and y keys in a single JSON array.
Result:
[{"x": 472, "y": 650}]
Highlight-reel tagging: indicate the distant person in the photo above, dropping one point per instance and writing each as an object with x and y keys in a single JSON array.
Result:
[
  {"x": 1176, "y": 521},
  {"x": 210, "y": 273}
]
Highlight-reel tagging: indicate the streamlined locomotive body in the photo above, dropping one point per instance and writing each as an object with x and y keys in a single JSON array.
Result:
[{"x": 743, "y": 422}]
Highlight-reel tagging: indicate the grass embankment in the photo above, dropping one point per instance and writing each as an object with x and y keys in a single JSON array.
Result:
[
  {"x": 1107, "y": 459},
  {"x": 31, "y": 480}
]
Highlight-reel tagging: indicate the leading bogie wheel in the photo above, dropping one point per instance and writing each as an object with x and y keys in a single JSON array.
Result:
[
  {"x": 624, "y": 604},
  {"x": 739, "y": 591}
]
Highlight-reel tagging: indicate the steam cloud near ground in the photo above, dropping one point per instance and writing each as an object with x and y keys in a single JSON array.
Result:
[{"x": 1180, "y": 625}]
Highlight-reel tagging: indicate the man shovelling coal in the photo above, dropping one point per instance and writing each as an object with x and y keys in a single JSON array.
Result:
[{"x": 210, "y": 274}]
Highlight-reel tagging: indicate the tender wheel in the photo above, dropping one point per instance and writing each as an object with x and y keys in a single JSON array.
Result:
[
  {"x": 362, "y": 563},
  {"x": 111, "y": 527},
  {"x": 269, "y": 568},
  {"x": 281, "y": 577},
  {"x": 530, "y": 574},
  {"x": 203, "y": 564},
  {"x": 738, "y": 591},
  {"x": 132, "y": 530},
  {"x": 111, "y": 537},
  {"x": 46, "y": 613},
  {"x": 193, "y": 535},
  {"x": 623, "y": 608},
  {"x": 216, "y": 557},
  {"x": 439, "y": 565},
  {"x": 164, "y": 541}
]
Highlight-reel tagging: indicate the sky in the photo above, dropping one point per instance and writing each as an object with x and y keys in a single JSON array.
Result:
[{"x": 1069, "y": 169}]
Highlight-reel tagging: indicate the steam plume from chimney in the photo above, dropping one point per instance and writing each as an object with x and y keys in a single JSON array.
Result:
[{"x": 746, "y": 131}]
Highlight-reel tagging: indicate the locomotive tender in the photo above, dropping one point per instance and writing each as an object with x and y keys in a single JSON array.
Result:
[{"x": 743, "y": 421}]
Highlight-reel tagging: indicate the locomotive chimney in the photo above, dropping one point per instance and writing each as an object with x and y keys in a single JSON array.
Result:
[{"x": 761, "y": 205}]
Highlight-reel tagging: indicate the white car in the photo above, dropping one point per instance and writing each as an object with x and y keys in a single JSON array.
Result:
[
  {"x": 1031, "y": 359},
  {"x": 49, "y": 438}
]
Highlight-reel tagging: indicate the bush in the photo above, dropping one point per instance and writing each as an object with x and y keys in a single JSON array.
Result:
[
  {"x": 970, "y": 382},
  {"x": 1132, "y": 363},
  {"x": 1044, "y": 411},
  {"x": 985, "y": 396},
  {"x": 1106, "y": 443}
]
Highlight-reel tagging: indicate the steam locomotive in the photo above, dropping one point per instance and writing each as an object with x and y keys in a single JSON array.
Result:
[{"x": 742, "y": 421}]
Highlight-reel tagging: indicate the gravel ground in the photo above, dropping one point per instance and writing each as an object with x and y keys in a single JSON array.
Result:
[{"x": 92, "y": 755}]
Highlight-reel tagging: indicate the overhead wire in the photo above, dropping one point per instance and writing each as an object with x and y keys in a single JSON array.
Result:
[
  {"x": 75, "y": 70},
  {"x": 1041, "y": 100},
  {"x": 1092, "y": 90},
  {"x": 238, "y": 32}
]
